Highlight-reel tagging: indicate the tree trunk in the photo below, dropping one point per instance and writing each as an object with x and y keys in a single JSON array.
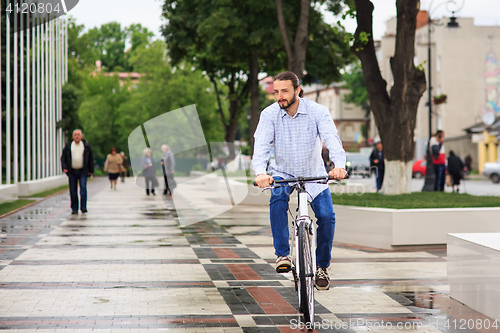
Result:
[
  {"x": 254, "y": 96},
  {"x": 230, "y": 123},
  {"x": 395, "y": 114},
  {"x": 295, "y": 52}
]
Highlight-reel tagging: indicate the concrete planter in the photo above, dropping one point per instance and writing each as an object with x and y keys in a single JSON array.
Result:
[
  {"x": 35, "y": 186},
  {"x": 474, "y": 272},
  {"x": 386, "y": 228}
]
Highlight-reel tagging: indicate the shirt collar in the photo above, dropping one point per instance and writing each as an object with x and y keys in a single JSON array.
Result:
[{"x": 301, "y": 109}]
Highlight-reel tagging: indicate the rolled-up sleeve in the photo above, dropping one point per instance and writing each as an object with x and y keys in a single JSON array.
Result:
[{"x": 264, "y": 138}]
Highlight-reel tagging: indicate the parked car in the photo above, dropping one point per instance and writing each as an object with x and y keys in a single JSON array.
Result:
[
  {"x": 419, "y": 168},
  {"x": 357, "y": 164},
  {"x": 492, "y": 170}
]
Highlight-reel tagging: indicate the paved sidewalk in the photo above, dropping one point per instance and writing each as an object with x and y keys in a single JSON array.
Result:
[{"x": 127, "y": 266}]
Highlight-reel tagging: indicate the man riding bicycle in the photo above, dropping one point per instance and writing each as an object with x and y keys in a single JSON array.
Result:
[{"x": 296, "y": 128}]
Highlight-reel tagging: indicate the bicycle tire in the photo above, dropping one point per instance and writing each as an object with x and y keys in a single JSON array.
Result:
[{"x": 306, "y": 274}]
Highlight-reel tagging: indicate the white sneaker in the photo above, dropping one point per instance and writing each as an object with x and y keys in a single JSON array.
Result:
[{"x": 284, "y": 264}]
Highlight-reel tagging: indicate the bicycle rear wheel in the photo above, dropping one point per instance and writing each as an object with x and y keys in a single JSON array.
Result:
[{"x": 306, "y": 274}]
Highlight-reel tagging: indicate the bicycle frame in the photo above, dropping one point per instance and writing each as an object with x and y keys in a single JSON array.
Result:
[{"x": 303, "y": 217}]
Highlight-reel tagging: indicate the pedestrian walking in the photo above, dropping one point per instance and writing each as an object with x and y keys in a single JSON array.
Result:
[
  {"x": 377, "y": 163},
  {"x": 77, "y": 162},
  {"x": 456, "y": 170},
  {"x": 168, "y": 164},
  {"x": 125, "y": 166},
  {"x": 148, "y": 171},
  {"x": 468, "y": 163},
  {"x": 113, "y": 167},
  {"x": 438, "y": 160}
]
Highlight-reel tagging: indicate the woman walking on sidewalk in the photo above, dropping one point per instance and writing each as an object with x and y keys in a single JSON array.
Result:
[
  {"x": 455, "y": 169},
  {"x": 148, "y": 171},
  {"x": 112, "y": 166}
]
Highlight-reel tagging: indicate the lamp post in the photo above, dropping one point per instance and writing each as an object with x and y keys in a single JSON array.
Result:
[{"x": 452, "y": 24}]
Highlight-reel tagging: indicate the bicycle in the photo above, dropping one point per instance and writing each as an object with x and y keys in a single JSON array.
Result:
[{"x": 304, "y": 269}]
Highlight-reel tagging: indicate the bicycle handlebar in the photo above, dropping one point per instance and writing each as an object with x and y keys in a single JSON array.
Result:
[{"x": 301, "y": 179}]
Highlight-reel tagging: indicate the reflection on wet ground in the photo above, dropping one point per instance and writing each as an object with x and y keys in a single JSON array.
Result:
[{"x": 127, "y": 266}]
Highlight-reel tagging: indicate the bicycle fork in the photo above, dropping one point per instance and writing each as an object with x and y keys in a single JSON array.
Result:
[{"x": 303, "y": 217}]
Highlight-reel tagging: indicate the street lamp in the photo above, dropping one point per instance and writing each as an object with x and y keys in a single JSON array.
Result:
[{"x": 452, "y": 24}]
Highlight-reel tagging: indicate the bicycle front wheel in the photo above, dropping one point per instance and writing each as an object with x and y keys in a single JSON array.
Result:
[{"x": 306, "y": 273}]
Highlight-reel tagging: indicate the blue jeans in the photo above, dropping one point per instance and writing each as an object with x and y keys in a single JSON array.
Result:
[
  {"x": 75, "y": 177},
  {"x": 440, "y": 173},
  {"x": 379, "y": 177},
  {"x": 322, "y": 207}
]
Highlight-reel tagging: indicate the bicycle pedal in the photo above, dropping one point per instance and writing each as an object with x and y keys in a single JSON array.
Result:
[{"x": 283, "y": 269}]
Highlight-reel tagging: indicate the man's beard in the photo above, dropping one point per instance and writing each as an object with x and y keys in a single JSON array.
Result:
[{"x": 288, "y": 104}]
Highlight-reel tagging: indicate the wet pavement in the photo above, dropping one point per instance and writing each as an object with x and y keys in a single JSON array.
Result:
[{"x": 128, "y": 266}]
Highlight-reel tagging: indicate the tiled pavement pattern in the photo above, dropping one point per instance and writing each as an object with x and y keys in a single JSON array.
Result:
[{"x": 127, "y": 266}]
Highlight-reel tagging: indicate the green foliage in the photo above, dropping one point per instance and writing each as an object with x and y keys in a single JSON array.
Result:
[
  {"x": 7, "y": 207},
  {"x": 329, "y": 48},
  {"x": 72, "y": 98},
  {"x": 355, "y": 82},
  {"x": 220, "y": 37},
  {"x": 106, "y": 43},
  {"x": 172, "y": 89},
  {"x": 99, "y": 113}
]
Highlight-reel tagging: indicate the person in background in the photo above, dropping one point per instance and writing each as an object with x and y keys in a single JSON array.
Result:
[
  {"x": 325, "y": 154},
  {"x": 455, "y": 169},
  {"x": 148, "y": 171},
  {"x": 468, "y": 163},
  {"x": 168, "y": 163},
  {"x": 438, "y": 160},
  {"x": 77, "y": 162},
  {"x": 112, "y": 167},
  {"x": 377, "y": 162},
  {"x": 125, "y": 165}
]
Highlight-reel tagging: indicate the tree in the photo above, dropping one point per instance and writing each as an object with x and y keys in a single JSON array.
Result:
[
  {"x": 355, "y": 82},
  {"x": 395, "y": 112},
  {"x": 72, "y": 98},
  {"x": 329, "y": 44},
  {"x": 296, "y": 51},
  {"x": 231, "y": 42},
  {"x": 100, "y": 111},
  {"x": 107, "y": 43},
  {"x": 171, "y": 90}
]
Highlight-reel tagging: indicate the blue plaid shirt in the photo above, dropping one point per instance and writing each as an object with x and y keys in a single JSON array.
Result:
[{"x": 297, "y": 143}]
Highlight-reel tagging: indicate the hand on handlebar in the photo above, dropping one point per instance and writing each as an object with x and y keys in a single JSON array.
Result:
[
  {"x": 263, "y": 181},
  {"x": 337, "y": 173}
]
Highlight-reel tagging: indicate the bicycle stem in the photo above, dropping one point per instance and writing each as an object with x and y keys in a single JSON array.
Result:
[{"x": 303, "y": 211}]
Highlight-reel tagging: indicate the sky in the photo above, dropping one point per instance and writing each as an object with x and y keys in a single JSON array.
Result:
[{"x": 92, "y": 13}]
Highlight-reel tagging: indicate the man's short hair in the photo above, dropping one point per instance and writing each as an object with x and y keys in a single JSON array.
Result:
[{"x": 284, "y": 76}]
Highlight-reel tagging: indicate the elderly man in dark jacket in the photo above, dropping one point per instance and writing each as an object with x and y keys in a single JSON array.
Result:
[{"x": 77, "y": 162}]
